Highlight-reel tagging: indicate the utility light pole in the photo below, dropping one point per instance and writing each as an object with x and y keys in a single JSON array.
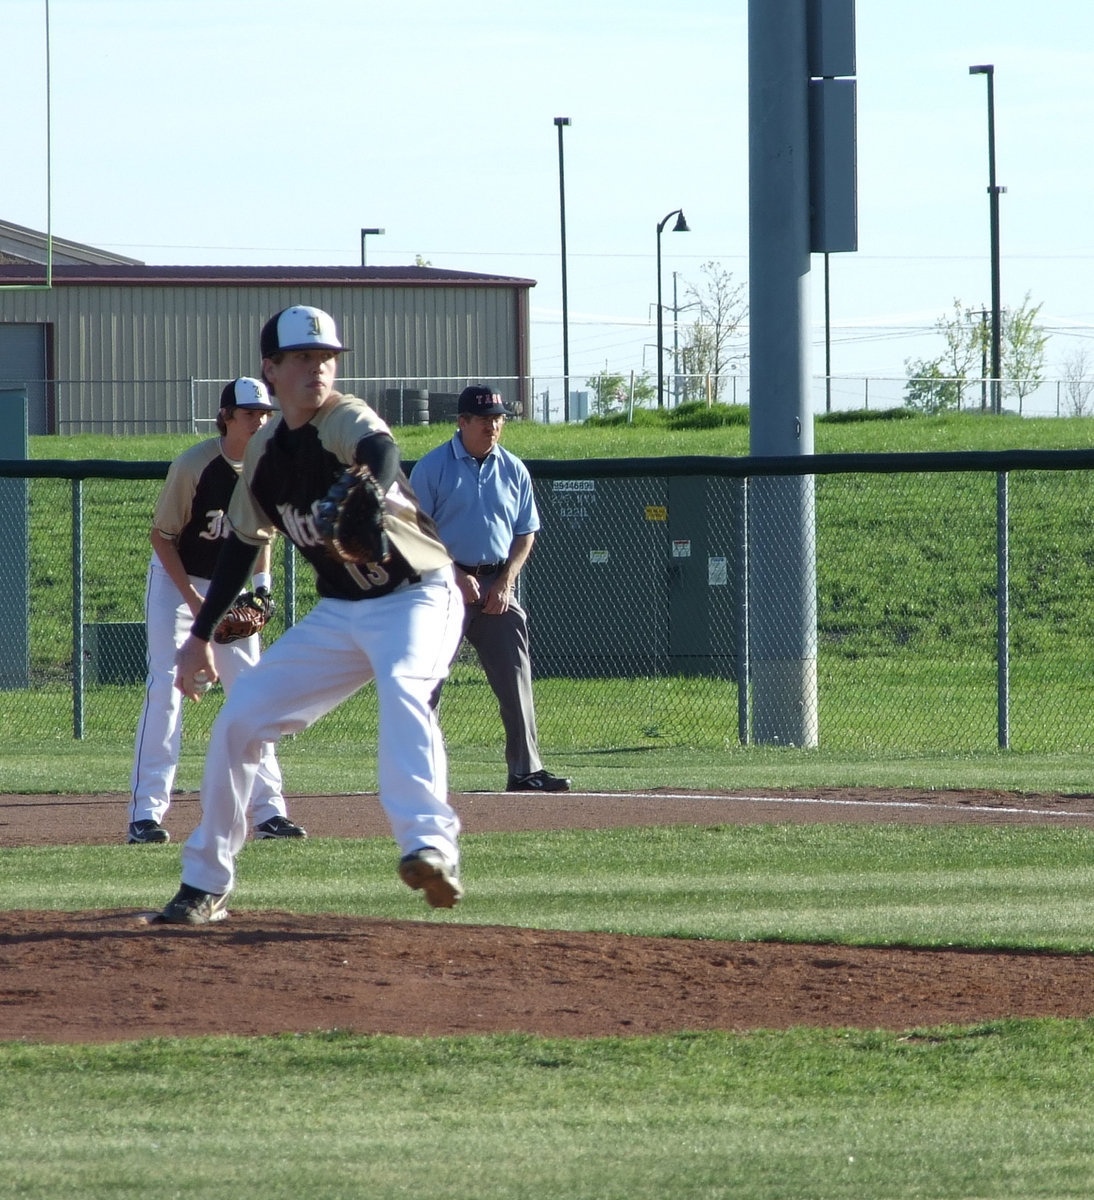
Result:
[
  {"x": 561, "y": 123},
  {"x": 994, "y": 191},
  {"x": 365, "y": 233},
  {"x": 681, "y": 226}
]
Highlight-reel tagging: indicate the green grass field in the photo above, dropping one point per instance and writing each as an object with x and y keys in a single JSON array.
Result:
[{"x": 995, "y": 1111}]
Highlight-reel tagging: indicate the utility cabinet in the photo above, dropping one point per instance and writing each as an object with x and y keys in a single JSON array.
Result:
[{"x": 635, "y": 576}]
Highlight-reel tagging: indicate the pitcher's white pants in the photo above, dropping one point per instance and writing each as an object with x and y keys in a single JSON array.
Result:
[
  {"x": 404, "y": 641},
  {"x": 159, "y": 730}
]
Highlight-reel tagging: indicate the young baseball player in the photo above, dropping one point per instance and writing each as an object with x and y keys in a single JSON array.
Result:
[
  {"x": 189, "y": 527},
  {"x": 397, "y": 623}
]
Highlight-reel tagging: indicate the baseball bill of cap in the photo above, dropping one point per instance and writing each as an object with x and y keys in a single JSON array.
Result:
[
  {"x": 478, "y": 400},
  {"x": 246, "y": 393},
  {"x": 299, "y": 328}
]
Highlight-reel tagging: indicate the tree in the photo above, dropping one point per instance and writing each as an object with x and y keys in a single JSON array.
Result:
[
  {"x": 612, "y": 393},
  {"x": 708, "y": 347},
  {"x": 1023, "y": 351},
  {"x": 964, "y": 336},
  {"x": 929, "y": 389},
  {"x": 935, "y": 384},
  {"x": 1078, "y": 386}
]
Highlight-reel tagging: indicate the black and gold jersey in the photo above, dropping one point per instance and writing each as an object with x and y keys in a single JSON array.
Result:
[
  {"x": 287, "y": 472},
  {"x": 192, "y": 507}
]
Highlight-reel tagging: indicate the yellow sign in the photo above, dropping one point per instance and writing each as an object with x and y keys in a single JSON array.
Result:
[{"x": 656, "y": 512}]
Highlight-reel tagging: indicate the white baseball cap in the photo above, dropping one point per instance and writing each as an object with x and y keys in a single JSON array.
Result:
[
  {"x": 246, "y": 393},
  {"x": 299, "y": 328}
]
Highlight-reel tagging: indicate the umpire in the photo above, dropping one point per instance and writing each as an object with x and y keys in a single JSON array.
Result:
[{"x": 480, "y": 497}]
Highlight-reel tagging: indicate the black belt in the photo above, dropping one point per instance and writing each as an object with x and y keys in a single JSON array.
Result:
[{"x": 481, "y": 568}]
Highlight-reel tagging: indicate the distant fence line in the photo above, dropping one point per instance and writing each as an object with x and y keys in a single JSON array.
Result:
[{"x": 190, "y": 405}]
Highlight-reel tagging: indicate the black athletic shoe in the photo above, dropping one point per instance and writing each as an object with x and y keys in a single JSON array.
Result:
[
  {"x": 538, "y": 781},
  {"x": 428, "y": 870},
  {"x": 147, "y": 832},
  {"x": 193, "y": 907},
  {"x": 279, "y": 827}
]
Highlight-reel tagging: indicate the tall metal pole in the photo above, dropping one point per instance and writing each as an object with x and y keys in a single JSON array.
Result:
[
  {"x": 561, "y": 122},
  {"x": 994, "y": 191},
  {"x": 983, "y": 360},
  {"x": 675, "y": 345},
  {"x": 660, "y": 332},
  {"x": 827, "y": 340},
  {"x": 681, "y": 226},
  {"x": 782, "y": 551}
]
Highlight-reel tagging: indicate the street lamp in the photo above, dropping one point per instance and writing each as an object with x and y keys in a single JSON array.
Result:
[
  {"x": 681, "y": 226},
  {"x": 364, "y": 234},
  {"x": 993, "y": 200},
  {"x": 561, "y": 122}
]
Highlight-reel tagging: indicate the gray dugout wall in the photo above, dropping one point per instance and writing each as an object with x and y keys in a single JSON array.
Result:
[{"x": 637, "y": 569}]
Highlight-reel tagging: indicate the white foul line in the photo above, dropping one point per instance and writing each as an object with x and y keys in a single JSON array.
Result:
[{"x": 984, "y": 808}]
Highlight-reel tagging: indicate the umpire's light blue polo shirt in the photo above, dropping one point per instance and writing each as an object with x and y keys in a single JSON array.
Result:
[{"x": 478, "y": 510}]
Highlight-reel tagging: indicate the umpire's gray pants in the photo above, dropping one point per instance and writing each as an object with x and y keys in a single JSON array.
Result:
[{"x": 501, "y": 642}]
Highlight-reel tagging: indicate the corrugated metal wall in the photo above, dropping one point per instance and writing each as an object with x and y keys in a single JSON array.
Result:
[{"x": 124, "y": 356}]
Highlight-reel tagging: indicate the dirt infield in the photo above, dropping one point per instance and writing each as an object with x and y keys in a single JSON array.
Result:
[{"x": 106, "y": 976}]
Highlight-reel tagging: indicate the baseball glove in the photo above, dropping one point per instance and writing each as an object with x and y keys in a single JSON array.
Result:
[
  {"x": 247, "y": 616},
  {"x": 350, "y": 518}
]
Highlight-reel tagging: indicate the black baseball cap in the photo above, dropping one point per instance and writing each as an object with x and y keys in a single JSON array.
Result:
[{"x": 478, "y": 400}]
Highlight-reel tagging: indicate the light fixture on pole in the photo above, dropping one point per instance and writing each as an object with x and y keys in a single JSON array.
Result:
[
  {"x": 561, "y": 123},
  {"x": 994, "y": 193},
  {"x": 681, "y": 226},
  {"x": 364, "y": 234}
]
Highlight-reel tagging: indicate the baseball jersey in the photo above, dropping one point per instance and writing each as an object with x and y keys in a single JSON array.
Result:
[
  {"x": 287, "y": 472},
  {"x": 478, "y": 509},
  {"x": 192, "y": 507}
]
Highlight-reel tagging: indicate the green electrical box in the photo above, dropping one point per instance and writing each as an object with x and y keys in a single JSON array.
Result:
[
  {"x": 116, "y": 651},
  {"x": 635, "y": 576}
]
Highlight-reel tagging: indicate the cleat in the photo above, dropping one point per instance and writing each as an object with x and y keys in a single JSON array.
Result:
[
  {"x": 429, "y": 871},
  {"x": 538, "y": 781},
  {"x": 193, "y": 907},
  {"x": 147, "y": 833},
  {"x": 279, "y": 827}
]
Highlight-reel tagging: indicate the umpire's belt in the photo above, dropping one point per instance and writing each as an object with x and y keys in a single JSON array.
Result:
[{"x": 481, "y": 568}]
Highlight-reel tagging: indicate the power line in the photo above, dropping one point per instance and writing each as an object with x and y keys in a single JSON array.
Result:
[{"x": 736, "y": 256}]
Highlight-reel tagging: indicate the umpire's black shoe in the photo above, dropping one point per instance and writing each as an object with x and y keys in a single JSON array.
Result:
[
  {"x": 279, "y": 827},
  {"x": 143, "y": 833},
  {"x": 538, "y": 781}
]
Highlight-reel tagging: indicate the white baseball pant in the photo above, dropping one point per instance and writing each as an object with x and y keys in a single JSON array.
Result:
[
  {"x": 404, "y": 641},
  {"x": 159, "y": 730}
]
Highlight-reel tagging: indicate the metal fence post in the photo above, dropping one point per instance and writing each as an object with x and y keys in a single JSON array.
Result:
[
  {"x": 290, "y": 583},
  {"x": 1002, "y": 604},
  {"x": 77, "y": 608},
  {"x": 744, "y": 711}
]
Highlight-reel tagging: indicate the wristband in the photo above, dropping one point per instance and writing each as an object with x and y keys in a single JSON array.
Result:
[{"x": 262, "y": 579}]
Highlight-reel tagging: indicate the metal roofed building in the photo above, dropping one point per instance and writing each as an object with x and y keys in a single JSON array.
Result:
[{"x": 124, "y": 347}]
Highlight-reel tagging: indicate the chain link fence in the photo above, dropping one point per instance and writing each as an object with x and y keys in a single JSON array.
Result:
[
  {"x": 944, "y": 607},
  {"x": 137, "y": 406}
]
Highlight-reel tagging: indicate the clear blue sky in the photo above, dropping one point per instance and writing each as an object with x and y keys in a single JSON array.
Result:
[{"x": 270, "y": 131}]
